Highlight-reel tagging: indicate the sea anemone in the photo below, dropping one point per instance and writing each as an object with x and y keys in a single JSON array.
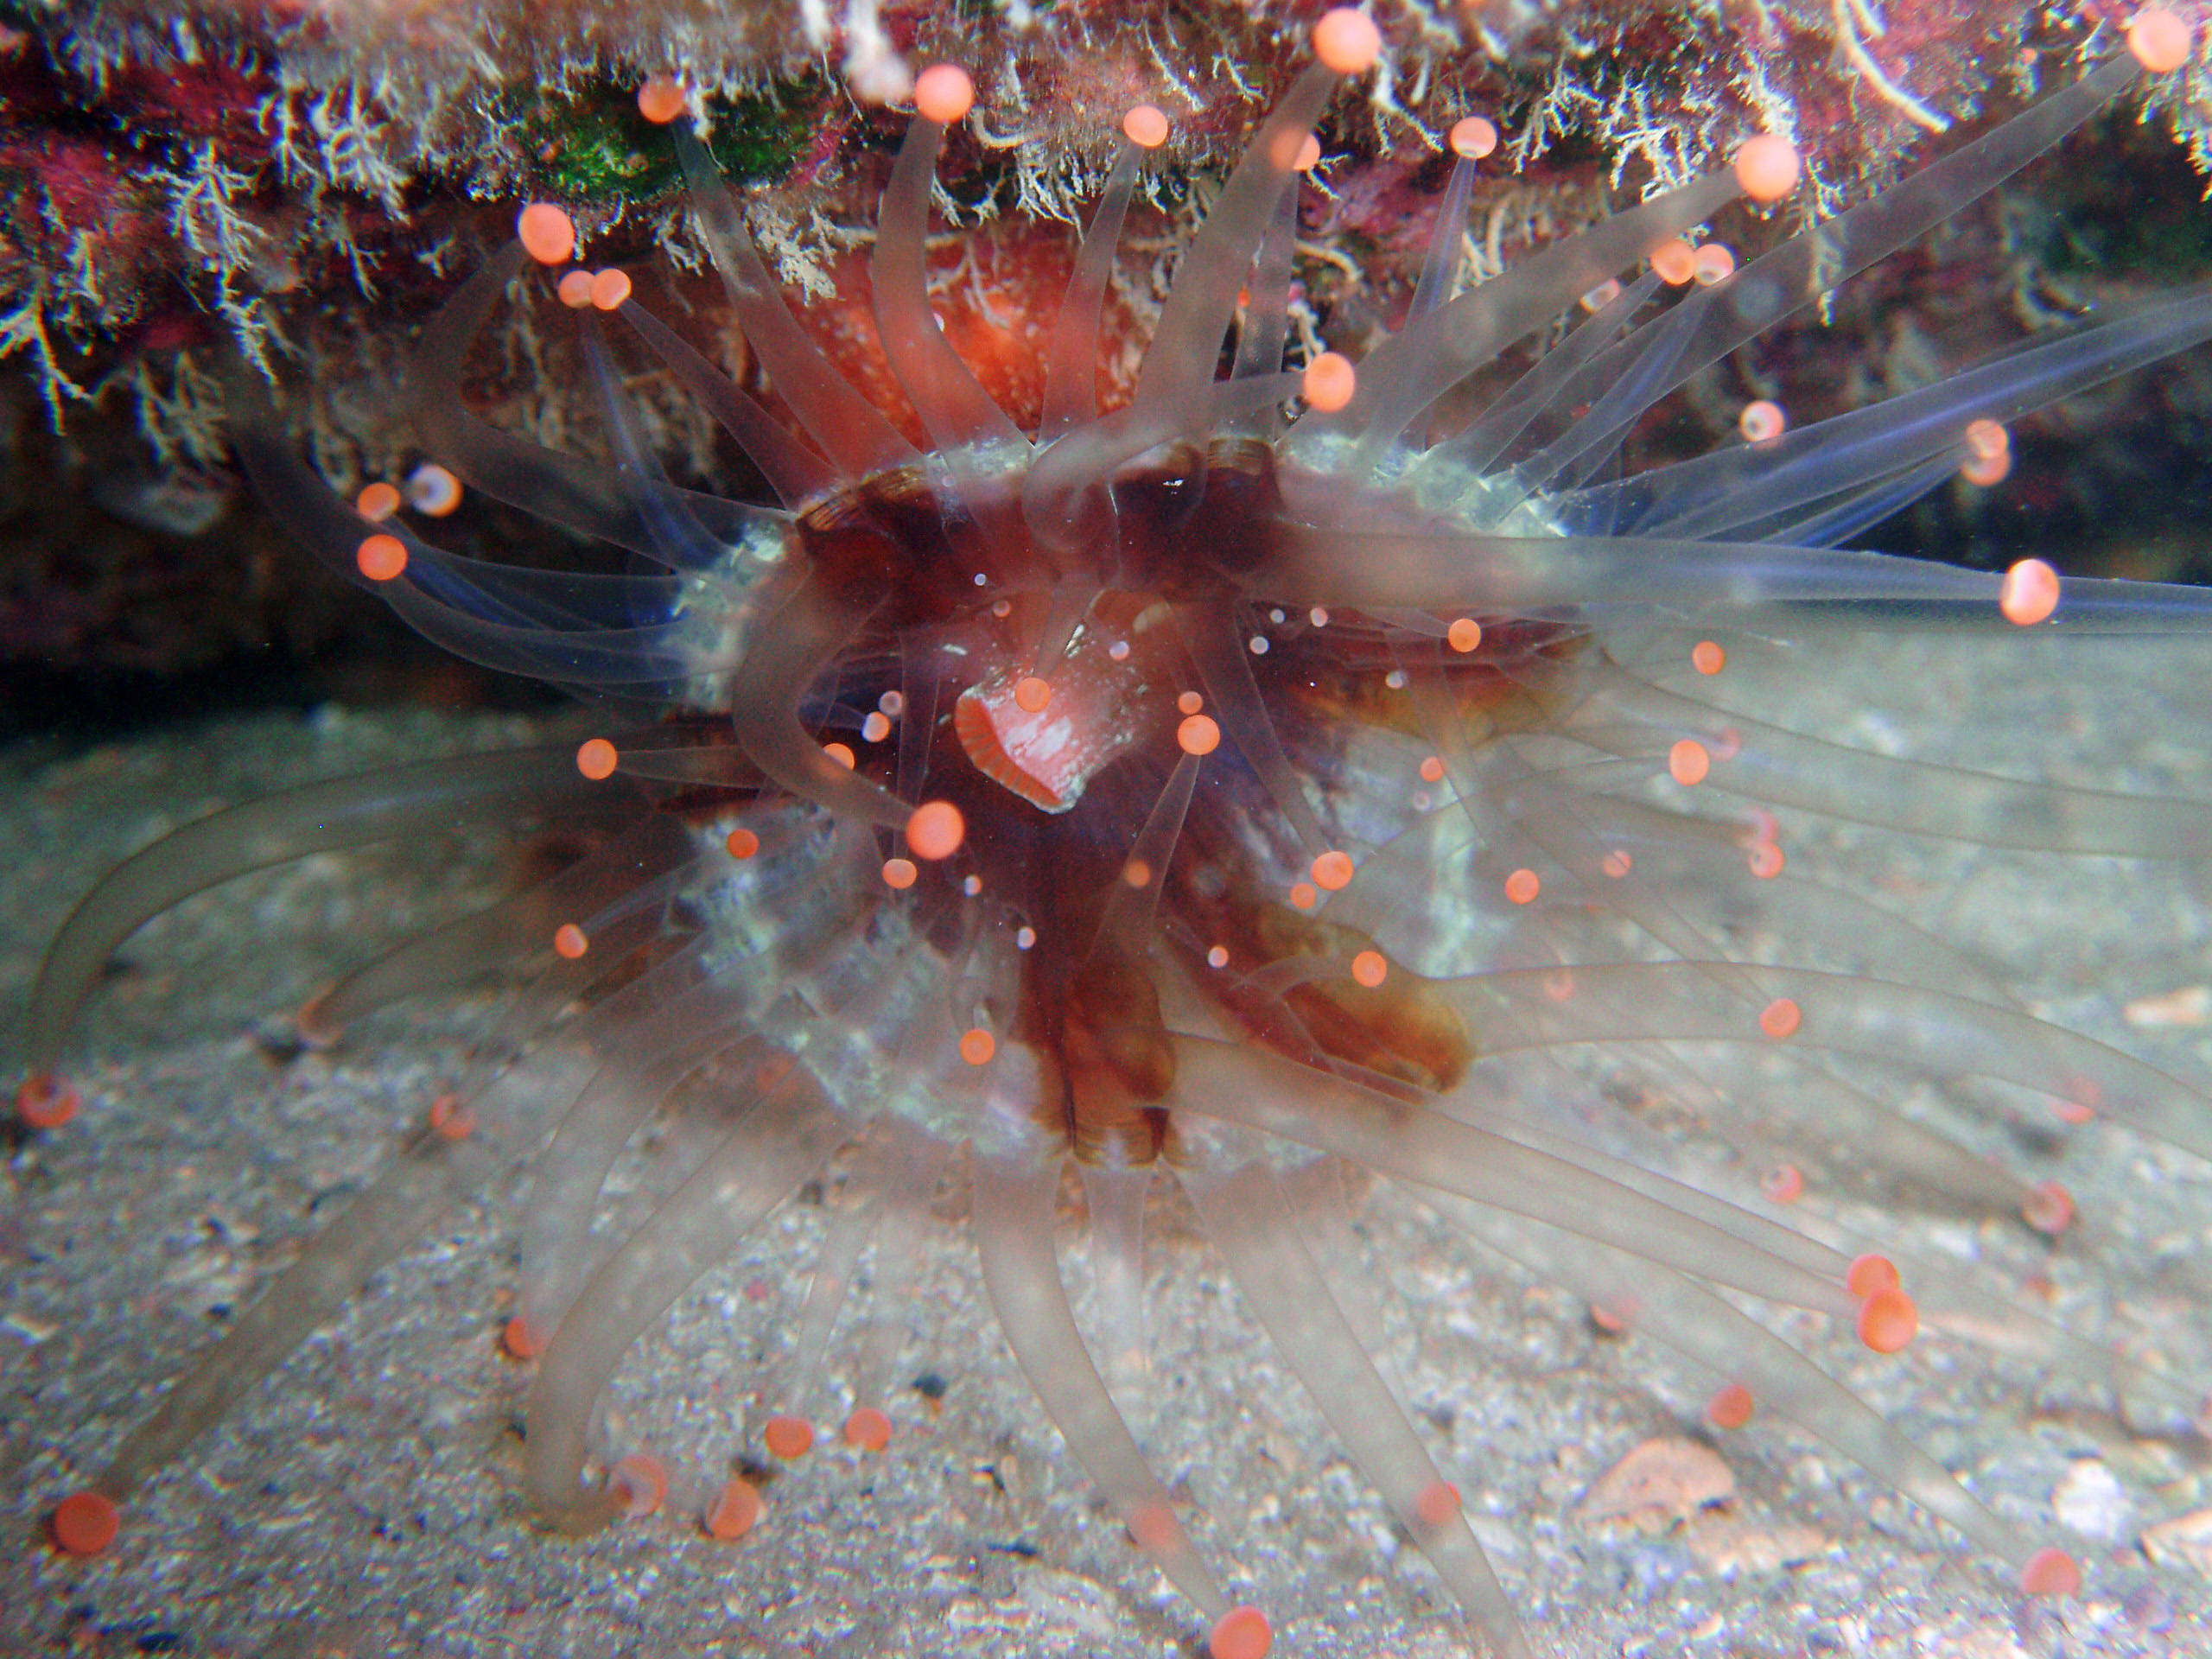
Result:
[{"x": 1200, "y": 793}]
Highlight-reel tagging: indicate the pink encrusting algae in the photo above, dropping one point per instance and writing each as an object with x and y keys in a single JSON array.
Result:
[{"x": 1262, "y": 780}]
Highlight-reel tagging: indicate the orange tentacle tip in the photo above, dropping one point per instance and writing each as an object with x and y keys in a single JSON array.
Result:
[
  {"x": 85, "y": 1523},
  {"x": 1784, "y": 1184},
  {"x": 1464, "y": 635},
  {"x": 1241, "y": 1633},
  {"x": 1688, "y": 762},
  {"x": 1330, "y": 381},
  {"x": 1332, "y": 872},
  {"x": 868, "y": 1429},
  {"x": 735, "y": 1512},
  {"x": 2159, "y": 41},
  {"x": 1197, "y": 735},
  {"x": 935, "y": 830},
  {"x": 943, "y": 94},
  {"x": 977, "y": 1045},
  {"x": 610, "y": 289},
  {"x": 2049, "y": 1208},
  {"x": 742, "y": 843},
  {"x": 1731, "y": 1408},
  {"x": 2028, "y": 592},
  {"x": 1371, "y": 968},
  {"x": 597, "y": 758},
  {"x": 46, "y": 1101},
  {"x": 662, "y": 98},
  {"x": 450, "y": 1118},
  {"x": 571, "y": 941},
  {"x": 1522, "y": 887},
  {"x": 788, "y": 1437},
  {"x": 380, "y": 558},
  {"x": 1781, "y": 1018},
  {"x": 1473, "y": 137},
  {"x": 517, "y": 1341},
  {"x": 548, "y": 234},
  {"x": 639, "y": 1485},
  {"x": 1675, "y": 261},
  {"x": 1768, "y": 167},
  {"x": 1708, "y": 657},
  {"x": 1346, "y": 40},
  {"x": 1438, "y": 1504},
  {"x": 1145, "y": 126},
  {"x": 1869, "y": 1273},
  {"x": 2051, "y": 1572},
  {"x": 1888, "y": 1321},
  {"x": 377, "y": 502}
]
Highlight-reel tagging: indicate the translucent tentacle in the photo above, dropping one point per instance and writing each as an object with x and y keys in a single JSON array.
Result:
[
  {"x": 398, "y": 802},
  {"x": 1013, "y": 1237},
  {"x": 794, "y": 471},
  {"x": 955, "y": 410},
  {"x": 563, "y": 489},
  {"x": 1246, "y": 1217},
  {"x": 843, "y": 424},
  {"x": 526, "y": 921},
  {"x": 1071, "y": 359},
  {"x": 758, "y": 1166}
]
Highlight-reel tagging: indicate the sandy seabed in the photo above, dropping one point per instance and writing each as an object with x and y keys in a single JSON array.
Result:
[{"x": 366, "y": 1500}]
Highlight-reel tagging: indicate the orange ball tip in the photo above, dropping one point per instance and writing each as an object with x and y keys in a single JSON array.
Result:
[
  {"x": 1711, "y": 264},
  {"x": 1465, "y": 634},
  {"x": 977, "y": 1045},
  {"x": 380, "y": 558},
  {"x": 742, "y": 843},
  {"x": 1197, "y": 735},
  {"x": 2028, "y": 592},
  {"x": 735, "y": 1512},
  {"x": 377, "y": 502},
  {"x": 1370, "y": 968},
  {"x": 45, "y": 1102},
  {"x": 900, "y": 873},
  {"x": 1868, "y": 1274},
  {"x": 597, "y": 758},
  {"x": 1145, "y": 126},
  {"x": 610, "y": 289},
  {"x": 943, "y": 94},
  {"x": 432, "y": 491},
  {"x": 1767, "y": 168},
  {"x": 639, "y": 1485},
  {"x": 2160, "y": 41},
  {"x": 936, "y": 830},
  {"x": 1330, "y": 381},
  {"x": 1473, "y": 138},
  {"x": 548, "y": 234},
  {"x": 2049, "y": 1208},
  {"x": 2051, "y": 1572},
  {"x": 1762, "y": 421},
  {"x": 662, "y": 98},
  {"x": 516, "y": 1340},
  {"x": 571, "y": 941},
  {"x": 1332, "y": 871},
  {"x": 1031, "y": 695},
  {"x": 1731, "y": 1408},
  {"x": 1241, "y": 1633},
  {"x": 1688, "y": 762},
  {"x": 1675, "y": 261},
  {"x": 788, "y": 1437},
  {"x": 1986, "y": 472},
  {"x": 1781, "y": 1018},
  {"x": 1888, "y": 1321},
  {"x": 1522, "y": 887},
  {"x": 85, "y": 1523},
  {"x": 574, "y": 289},
  {"x": 1346, "y": 40},
  {"x": 868, "y": 1429}
]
